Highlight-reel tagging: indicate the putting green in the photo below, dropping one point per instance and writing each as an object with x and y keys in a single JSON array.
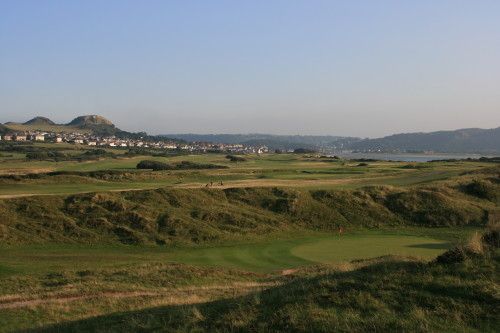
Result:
[
  {"x": 342, "y": 248},
  {"x": 307, "y": 251},
  {"x": 261, "y": 256}
]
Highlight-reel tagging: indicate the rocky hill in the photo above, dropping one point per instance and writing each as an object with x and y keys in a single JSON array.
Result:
[
  {"x": 88, "y": 121},
  {"x": 3, "y": 129},
  {"x": 84, "y": 124},
  {"x": 97, "y": 124},
  {"x": 39, "y": 121},
  {"x": 89, "y": 124}
]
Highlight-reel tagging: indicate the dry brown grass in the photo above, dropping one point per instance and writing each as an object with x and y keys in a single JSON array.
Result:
[
  {"x": 46, "y": 127},
  {"x": 24, "y": 171},
  {"x": 310, "y": 163},
  {"x": 178, "y": 296},
  {"x": 475, "y": 244}
]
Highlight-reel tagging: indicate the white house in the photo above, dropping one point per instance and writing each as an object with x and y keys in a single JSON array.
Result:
[{"x": 38, "y": 137}]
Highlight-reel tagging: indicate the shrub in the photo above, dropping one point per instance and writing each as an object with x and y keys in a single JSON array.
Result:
[
  {"x": 184, "y": 165},
  {"x": 474, "y": 247},
  {"x": 155, "y": 165},
  {"x": 492, "y": 237},
  {"x": 304, "y": 151},
  {"x": 233, "y": 158},
  {"x": 482, "y": 189}
]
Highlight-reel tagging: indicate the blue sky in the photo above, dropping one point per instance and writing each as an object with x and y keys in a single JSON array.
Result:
[{"x": 354, "y": 68}]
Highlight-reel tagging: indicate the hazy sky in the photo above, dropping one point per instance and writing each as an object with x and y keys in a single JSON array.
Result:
[{"x": 352, "y": 67}]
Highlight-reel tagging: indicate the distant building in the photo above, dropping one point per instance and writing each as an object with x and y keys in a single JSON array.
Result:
[{"x": 37, "y": 137}]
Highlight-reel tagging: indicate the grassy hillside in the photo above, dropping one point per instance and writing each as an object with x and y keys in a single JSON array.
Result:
[
  {"x": 172, "y": 258},
  {"x": 82, "y": 124},
  {"x": 3, "y": 129},
  {"x": 46, "y": 127},
  {"x": 171, "y": 216},
  {"x": 387, "y": 294}
]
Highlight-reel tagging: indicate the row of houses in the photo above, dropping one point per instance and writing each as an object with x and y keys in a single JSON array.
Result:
[
  {"x": 91, "y": 140},
  {"x": 23, "y": 137}
]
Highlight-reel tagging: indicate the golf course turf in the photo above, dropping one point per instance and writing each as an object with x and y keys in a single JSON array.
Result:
[
  {"x": 308, "y": 251},
  {"x": 100, "y": 245},
  {"x": 255, "y": 257}
]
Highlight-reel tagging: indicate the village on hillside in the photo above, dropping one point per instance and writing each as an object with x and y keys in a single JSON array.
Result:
[{"x": 112, "y": 141}]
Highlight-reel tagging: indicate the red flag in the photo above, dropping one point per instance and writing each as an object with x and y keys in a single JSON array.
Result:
[{"x": 341, "y": 230}]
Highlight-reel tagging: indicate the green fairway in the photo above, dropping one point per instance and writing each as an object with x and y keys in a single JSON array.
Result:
[
  {"x": 307, "y": 251},
  {"x": 343, "y": 247},
  {"x": 262, "y": 256},
  {"x": 251, "y": 257},
  {"x": 284, "y": 170}
]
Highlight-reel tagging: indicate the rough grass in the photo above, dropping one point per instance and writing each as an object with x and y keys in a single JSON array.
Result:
[
  {"x": 145, "y": 294},
  {"x": 47, "y": 127},
  {"x": 379, "y": 295},
  {"x": 175, "y": 216},
  {"x": 268, "y": 170}
]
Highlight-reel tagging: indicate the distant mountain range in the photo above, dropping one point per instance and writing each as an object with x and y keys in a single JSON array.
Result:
[
  {"x": 469, "y": 140},
  {"x": 282, "y": 142}
]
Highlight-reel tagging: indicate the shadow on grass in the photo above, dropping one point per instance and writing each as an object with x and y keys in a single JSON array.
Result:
[
  {"x": 385, "y": 285},
  {"x": 388, "y": 289},
  {"x": 6, "y": 271},
  {"x": 433, "y": 246}
]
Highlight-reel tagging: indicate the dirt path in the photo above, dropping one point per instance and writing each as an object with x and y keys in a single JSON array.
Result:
[
  {"x": 24, "y": 171},
  {"x": 176, "y": 296}
]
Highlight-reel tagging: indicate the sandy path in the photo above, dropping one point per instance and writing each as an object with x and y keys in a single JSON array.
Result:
[
  {"x": 24, "y": 171},
  {"x": 176, "y": 296}
]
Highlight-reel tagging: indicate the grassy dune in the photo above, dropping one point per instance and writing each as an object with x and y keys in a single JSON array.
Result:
[
  {"x": 207, "y": 216},
  {"x": 174, "y": 255},
  {"x": 382, "y": 294}
]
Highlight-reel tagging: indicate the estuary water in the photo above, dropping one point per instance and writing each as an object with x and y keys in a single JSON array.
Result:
[{"x": 411, "y": 157}]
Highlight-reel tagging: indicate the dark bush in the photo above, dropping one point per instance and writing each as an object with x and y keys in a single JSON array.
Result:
[
  {"x": 155, "y": 165},
  {"x": 482, "y": 189},
  {"x": 492, "y": 238},
  {"x": 98, "y": 152},
  {"x": 184, "y": 165},
  {"x": 304, "y": 151},
  {"x": 233, "y": 158},
  {"x": 452, "y": 256}
]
